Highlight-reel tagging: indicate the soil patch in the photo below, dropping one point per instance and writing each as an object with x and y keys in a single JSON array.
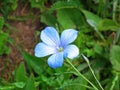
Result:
[{"x": 23, "y": 37}]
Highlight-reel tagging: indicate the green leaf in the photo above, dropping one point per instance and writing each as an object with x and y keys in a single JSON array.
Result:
[
  {"x": 64, "y": 19},
  {"x": 7, "y": 87},
  {"x": 3, "y": 40},
  {"x": 70, "y": 18},
  {"x": 40, "y": 4},
  {"x": 115, "y": 57},
  {"x": 98, "y": 49},
  {"x": 35, "y": 63},
  {"x": 19, "y": 84},
  {"x": 82, "y": 66},
  {"x": 30, "y": 85},
  {"x": 100, "y": 24},
  {"x": 14, "y": 4},
  {"x": 48, "y": 19},
  {"x": 117, "y": 37},
  {"x": 20, "y": 74},
  {"x": 1, "y": 23},
  {"x": 66, "y": 4},
  {"x": 75, "y": 84},
  {"x": 91, "y": 18},
  {"x": 107, "y": 24}
]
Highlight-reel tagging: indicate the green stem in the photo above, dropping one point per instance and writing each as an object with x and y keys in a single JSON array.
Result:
[
  {"x": 86, "y": 59},
  {"x": 81, "y": 74},
  {"x": 114, "y": 9},
  {"x": 114, "y": 81}
]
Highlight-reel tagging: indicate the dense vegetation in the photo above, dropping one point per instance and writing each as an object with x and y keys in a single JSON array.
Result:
[{"x": 98, "y": 24}]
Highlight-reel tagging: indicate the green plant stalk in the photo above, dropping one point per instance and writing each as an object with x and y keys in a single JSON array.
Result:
[
  {"x": 114, "y": 10},
  {"x": 113, "y": 82},
  {"x": 81, "y": 74},
  {"x": 99, "y": 33},
  {"x": 5, "y": 11},
  {"x": 86, "y": 59},
  {"x": 95, "y": 77}
]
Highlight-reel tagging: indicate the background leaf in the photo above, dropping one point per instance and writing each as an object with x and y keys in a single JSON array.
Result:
[
  {"x": 115, "y": 57},
  {"x": 37, "y": 64},
  {"x": 49, "y": 19},
  {"x": 66, "y": 4},
  {"x": 107, "y": 24},
  {"x": 70, "y": 18},
  {"x": 91, "y": 18},
  {"x": 3, "y": 40},
  {"x": 30, "y": 85},
  {"x": 20, "y": 74},
  {"x": 19, "y": 84},
  {"x": 1, "y": 23}
]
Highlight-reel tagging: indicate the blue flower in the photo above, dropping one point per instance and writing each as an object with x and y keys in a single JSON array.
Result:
[{"x": 57, "y": 47}]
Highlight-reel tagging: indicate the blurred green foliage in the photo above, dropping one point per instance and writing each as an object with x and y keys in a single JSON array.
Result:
[
  {"x": 3, "y": 39},
  {"x": 96, "y": 21}
]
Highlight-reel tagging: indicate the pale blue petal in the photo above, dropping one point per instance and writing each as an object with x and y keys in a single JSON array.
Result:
[
  {"x": 50, "y": 36},
  {"x": 42, "y": 49},
  {"x": 71, "y": 51},
  {"x": 56, "y": 60},
  {"x": 68, "y": 36}
]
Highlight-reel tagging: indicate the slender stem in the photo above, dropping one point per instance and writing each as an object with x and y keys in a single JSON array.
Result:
[
  {"x": 86, "y": 59},
  {"x": 114, "y": 81},
  {"x": 95, "y": 77},
  {"x": 81, "y": 74},
  {"x": 114, "y": 9}
]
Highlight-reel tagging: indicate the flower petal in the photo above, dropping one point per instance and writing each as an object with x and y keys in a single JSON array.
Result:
[
  {"x": 71, "y": 51},
  {"x": 56, "y": 60},
  {"x": 50, "y": 36},
  {"x": 42, "y": 49},
  {"x": 68, "y": 36}
]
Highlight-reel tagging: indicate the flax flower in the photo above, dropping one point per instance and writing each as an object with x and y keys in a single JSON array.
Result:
[{"x": 58, "y": 47}]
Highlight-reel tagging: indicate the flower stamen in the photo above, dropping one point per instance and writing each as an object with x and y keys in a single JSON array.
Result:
[{"x": 60, "y": 49}]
